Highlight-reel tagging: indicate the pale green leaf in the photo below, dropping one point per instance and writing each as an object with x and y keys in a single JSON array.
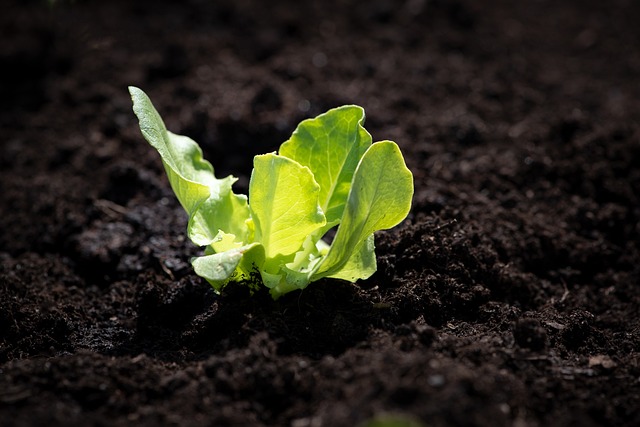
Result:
[
  {"x": 286, "y": 283},
  {"x": 189, "y": 174},
  {"x": 361, "y": 265},
  {"x": 380, "y": 198},
  {"x": 219, "y": 268},
  {"x": 284, "y": 204},
  {"x": 331, "y": 145},
  {"x": 222, "y": 211},
  {"x": 222, "y": 243}
]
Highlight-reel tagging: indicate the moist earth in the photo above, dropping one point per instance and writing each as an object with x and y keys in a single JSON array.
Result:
[{"x": 509, "y": 297}]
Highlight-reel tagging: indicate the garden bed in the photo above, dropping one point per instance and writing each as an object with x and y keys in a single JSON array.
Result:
[{"x": 509, "y": 297}]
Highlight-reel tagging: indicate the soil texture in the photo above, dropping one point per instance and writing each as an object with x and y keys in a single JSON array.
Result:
[{"x": 509, "y": 297}]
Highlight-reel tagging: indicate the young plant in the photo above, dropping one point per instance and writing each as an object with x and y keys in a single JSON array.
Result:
[{"x": 327, "y": 175}]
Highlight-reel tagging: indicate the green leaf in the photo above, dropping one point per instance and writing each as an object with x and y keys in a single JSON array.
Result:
[
  {"x": 209, "y": 201},
  {"x": 222, "y": 211},
  {"x": 331, "y": 145},
  {"x": 361, "y": 265},
  {"x": 219, "y": 268},
  {"x": 189, "y": 174},
  {"x": 380, "y": 198},
  {"x": 284, "y": 204}
]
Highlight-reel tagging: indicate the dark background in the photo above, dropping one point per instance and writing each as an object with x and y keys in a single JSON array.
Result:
[{"x": 509, "y": 297}]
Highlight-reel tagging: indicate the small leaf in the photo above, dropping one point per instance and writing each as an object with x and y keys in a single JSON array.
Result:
[
  {"x": 380, "y": 198},
  {"x": 222, "y": 211},
  {"x": 219, "y": 268},
  {"x": 331, "y": 145},
  {"x": 223, "y": 242},
  {"x": 284, "y": 204},
  {"x": 361, "y": 265},
  {"x": 209, "y": 201},
  {"x": 189, "y": 174}
]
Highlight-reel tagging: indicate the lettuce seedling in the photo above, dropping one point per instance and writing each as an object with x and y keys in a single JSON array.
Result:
[{"x": 327, "y": 175}]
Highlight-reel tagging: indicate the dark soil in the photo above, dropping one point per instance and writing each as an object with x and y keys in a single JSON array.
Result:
[{"x": 509, "y": 297}]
